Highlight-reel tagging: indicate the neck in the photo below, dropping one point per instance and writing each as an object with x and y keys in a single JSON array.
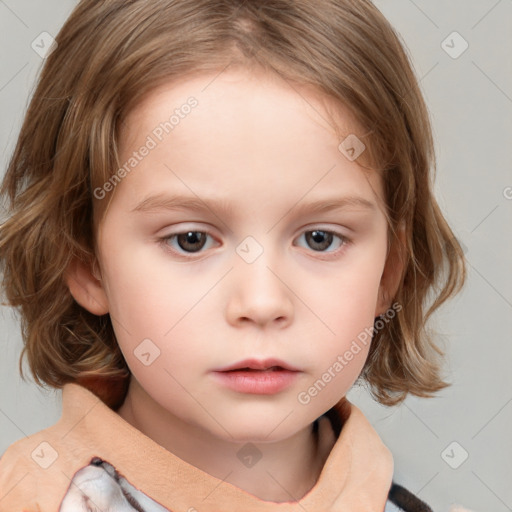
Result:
[{"x": 286, "y": 471}]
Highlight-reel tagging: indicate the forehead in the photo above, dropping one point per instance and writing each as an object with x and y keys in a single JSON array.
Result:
[
  {"x": 248, "y": 131},
  {"x": 237, "y": 97}
]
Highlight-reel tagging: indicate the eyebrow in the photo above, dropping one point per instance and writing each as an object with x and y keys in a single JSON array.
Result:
[{"x": 163, "y": 202}]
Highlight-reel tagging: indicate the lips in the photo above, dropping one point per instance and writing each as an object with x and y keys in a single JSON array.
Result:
[
  {"x": 257, "y": 376},
  {"x": 258, "y": 365}
]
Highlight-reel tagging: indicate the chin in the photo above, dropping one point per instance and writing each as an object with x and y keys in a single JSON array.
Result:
[{"x": 264, "y": 429}]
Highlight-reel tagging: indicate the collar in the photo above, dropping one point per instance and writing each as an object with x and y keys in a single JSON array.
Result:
[{"x": 356, "y": 476}]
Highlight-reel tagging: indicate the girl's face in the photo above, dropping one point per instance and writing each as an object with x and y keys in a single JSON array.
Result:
[{"x": 239, "y": 231}]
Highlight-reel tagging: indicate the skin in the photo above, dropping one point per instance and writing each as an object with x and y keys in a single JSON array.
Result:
[{"x": 265, "y": 149}]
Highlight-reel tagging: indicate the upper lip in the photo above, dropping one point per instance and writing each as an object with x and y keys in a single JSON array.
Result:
[{"x": 258, "y": 364}]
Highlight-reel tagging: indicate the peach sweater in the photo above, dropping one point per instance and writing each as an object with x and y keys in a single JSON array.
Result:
[{"x": 92, "y": 459}]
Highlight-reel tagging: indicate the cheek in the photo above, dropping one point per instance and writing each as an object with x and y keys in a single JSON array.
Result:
[
  {"x": 145, "y": 293},
  {"x": 346, "y": 299},
  {"x": 158, "y": 310},
  {"x": 346, "y": 305}
]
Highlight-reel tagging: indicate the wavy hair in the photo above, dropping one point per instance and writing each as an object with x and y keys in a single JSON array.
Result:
[{"x": 109, "y": 56}]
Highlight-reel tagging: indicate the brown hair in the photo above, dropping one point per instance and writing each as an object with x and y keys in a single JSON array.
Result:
[{"x": 110, "y": 55}]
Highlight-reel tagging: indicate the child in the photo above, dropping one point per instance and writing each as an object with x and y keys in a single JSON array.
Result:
[{"x": 289, "y": 141}]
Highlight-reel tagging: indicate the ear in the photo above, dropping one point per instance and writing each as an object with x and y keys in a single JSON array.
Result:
[
  {"x": 392, "y": 273},
  {"x": 85, "y": 286}
]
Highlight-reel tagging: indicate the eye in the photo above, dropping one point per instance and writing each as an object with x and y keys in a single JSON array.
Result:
[
  {"x": 188, "y": 241},
  {"x": 319, "y": 240}
]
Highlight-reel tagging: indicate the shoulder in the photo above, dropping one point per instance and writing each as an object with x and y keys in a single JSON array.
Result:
[
  {"x": 16, "y": 473},
  {"x": 33, "y": 471}
]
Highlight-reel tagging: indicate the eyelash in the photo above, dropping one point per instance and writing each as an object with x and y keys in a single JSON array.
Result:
[{"x": 344, "y": 242}]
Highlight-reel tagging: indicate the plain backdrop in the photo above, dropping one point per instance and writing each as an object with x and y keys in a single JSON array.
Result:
[{"x": 457, "y": 447}]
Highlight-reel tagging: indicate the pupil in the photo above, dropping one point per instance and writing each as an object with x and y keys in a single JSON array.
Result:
[
  {"x": 322, "y": 238},
  {"x": 318, "y": 236},
  {"x": 188, "y": 241}
]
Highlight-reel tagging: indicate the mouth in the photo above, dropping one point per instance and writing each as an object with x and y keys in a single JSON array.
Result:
[
  {"x": 256, "y": 376},
  {"x": 258, "y": 365},
  {"x": 271, "y": 369}
]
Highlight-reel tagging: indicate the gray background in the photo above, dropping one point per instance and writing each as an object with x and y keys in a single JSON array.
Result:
[{"x": 470, "y": 99}]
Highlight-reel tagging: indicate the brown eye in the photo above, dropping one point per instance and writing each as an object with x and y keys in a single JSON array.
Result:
[{"x": 191, "y": 241}]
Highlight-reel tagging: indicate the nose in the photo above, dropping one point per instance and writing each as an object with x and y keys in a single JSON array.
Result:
[{"x": 259, "y": 295}]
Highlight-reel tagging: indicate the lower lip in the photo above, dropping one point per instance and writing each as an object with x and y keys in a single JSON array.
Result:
[{"x": 257, "y": 382}]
